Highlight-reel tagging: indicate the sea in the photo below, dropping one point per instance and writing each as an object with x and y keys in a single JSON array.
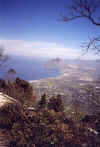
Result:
[{"x": 28, "y": 68}]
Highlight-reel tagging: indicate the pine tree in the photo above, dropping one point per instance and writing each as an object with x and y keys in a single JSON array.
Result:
[
  {"x": 42, "y": 102},
  {"x": 56, "y": 103}
]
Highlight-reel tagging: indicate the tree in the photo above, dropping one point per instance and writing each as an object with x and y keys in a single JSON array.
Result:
[
  {"x": 56, "y": 103},
  {"x": 11, "y": 74},
  {"x": 85, "y": 9},
  {"x": 75, "y": 111},
  {"x": 93, "y": 99},
  {"x": 3, "y": 56},
  {"x": 42, "y": 103}
]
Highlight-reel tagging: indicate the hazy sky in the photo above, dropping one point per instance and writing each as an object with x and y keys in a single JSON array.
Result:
[{"x": 32, "y": 28}]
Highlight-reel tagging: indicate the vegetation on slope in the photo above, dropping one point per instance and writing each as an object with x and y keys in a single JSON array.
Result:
[
  {"x": 18, "y": 89},
  {"x": 48, "y": 124}
]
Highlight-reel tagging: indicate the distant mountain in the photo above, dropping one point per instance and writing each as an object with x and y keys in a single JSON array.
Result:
[
  {"x": 66, "y": 65},
  {"x": 56, "y": 63}
]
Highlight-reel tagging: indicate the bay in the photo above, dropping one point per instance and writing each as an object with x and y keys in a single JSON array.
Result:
[{"x": 29, "y": 68}]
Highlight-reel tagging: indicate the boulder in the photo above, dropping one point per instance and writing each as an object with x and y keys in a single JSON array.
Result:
[{"x": 10, "y": 110}]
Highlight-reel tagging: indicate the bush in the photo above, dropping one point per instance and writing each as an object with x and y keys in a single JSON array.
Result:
[
  {"x": 9, "y": 113},
  {"x": 56, "y": 103},
  {"x": 48, "y": 127},
  {"x": 19, "y": 89},
  {"x": 43, "y": 128}
]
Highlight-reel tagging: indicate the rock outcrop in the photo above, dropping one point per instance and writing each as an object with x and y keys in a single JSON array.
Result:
[
  {"x": 10, "y": 110},
  {"x": 5, "y": 99}
]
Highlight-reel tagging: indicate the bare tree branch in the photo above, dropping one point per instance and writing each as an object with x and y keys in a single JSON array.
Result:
[
  {"x": 92, "y": 45},
  {"x": 83, "y": 9}
]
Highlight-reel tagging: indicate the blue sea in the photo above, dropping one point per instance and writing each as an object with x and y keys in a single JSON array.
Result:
[{"x": 29, "y": 68}]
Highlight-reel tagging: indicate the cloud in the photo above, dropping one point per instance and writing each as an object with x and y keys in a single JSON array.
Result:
[{"x": 38, "y": 49}]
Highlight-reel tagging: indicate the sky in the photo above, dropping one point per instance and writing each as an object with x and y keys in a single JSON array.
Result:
[{"x": 34, "y": 28}]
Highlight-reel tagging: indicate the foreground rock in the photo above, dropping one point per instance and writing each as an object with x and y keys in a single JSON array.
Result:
[
  {"x": 10, "y": 110},
  {"x": 5, "y": 99}
]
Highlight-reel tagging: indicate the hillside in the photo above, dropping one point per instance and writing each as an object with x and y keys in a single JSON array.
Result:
[
  {"x": 75, "y": 78},
  {"x": 49, "y": 123}
]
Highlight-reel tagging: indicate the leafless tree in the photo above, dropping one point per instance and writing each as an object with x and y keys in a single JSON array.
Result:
[
  {"x": 93, "y": 99},
  {"x": 3, "y": 56},
  {"x": 92, "y": 45},
  {"x": 3, "y": 59},
  {"x": 85, "y": 9}
]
